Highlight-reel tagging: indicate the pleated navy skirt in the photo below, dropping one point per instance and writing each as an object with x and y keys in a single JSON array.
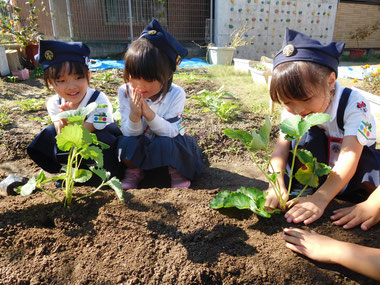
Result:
[
  {"x": 44, "y": 152},
  {"x": 180, "y": 152}
]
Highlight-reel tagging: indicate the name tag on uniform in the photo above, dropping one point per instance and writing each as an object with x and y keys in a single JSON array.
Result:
[
  {"x": 100, "y": 117},
  {"x": 334, "y": 147}
]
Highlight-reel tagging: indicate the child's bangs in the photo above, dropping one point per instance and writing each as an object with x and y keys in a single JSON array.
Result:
[
  {"x": 288, "y": 82},
  {"x": 53, "y": 72},
  {"x": 143, "y": 65}
]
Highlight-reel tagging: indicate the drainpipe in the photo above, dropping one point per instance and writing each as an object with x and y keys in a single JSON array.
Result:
[
  {"x": 53, "y": 22},
  {"x": 211, "y": 21},
  {"x": 130, "y": 19},
  {"x": 69, "y": 15}
]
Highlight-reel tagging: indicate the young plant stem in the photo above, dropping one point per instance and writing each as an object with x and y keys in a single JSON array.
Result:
[
  {"x": 292, "y": 168},
  {"x": 51, "y": 195},
  {"x": 299, "y": 195},
  {"x": 91, "y": 193}
]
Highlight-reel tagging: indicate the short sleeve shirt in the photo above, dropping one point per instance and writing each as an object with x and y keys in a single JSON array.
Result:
[{"x": 100, "y": 117}]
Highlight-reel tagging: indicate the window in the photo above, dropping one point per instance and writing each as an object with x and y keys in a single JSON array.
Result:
[
  {"x": 117, "y": 11},
  {"x": 368, "y": 2}
]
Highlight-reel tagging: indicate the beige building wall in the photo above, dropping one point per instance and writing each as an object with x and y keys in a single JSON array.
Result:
[{"x": 349, "y": 17}]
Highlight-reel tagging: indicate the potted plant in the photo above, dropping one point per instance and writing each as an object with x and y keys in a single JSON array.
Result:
[
  {"x": 224, "y": 55},
  {"x": 361, "y": 34},
  {"x": 22, "y": 27}
]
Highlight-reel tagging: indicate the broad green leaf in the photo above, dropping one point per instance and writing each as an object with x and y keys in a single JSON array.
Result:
[
  {"x": 265, "y": 131},
  {"x": 218, "y": 201},
  {"x": 317, "y": 118},
  {"x": 29, "y": 187},
  {"x": 115, "y": 184},
  {"x": 303, "y": 127},
  {"x": 241, "y": 135},
  {"x": 304, "y": 156},
  {"x": 73, "y": 136},
  {"x": 82, "y": 175},
  {"x": 322, "y": 169},
  {"x": 238, "y": 200},
  {"x": 93, "y": 152},
  {"x": 290, "y": 138},
  {"x": 76, "y": 120},
  {"x": 102, "y": 173},
  {"x": 289, "y": 126},
  {"x": 306, "y": 176},
  {"x": 256, "y": 143}
]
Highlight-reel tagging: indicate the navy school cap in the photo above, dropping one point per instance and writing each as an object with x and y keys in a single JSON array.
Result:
[
  {"x": 300, "y": 47},
  {"x": 162, "y": 40},
  {"x": 53, "y": 52}
]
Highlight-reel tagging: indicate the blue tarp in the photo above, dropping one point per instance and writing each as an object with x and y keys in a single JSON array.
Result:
[{"x": 103, "y": 64}]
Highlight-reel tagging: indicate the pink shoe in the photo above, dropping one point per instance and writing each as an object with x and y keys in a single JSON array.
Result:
[
  {"x": 178, "y": 181},
  {"x": 132, "y": 178}
]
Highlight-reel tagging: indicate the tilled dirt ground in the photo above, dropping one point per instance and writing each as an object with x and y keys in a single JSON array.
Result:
[{"x": 161, "y": 235}]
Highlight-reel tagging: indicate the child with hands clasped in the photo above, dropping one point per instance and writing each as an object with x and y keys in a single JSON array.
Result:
[
  {"x": 304, "y": 82},
  {"x": 151, "y": 109},
  {"x": 364, "y": 260},
  {"x": 65, "y": 69}
]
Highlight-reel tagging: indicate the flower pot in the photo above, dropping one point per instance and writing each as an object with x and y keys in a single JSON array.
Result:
[
  {"x": 242, "y": 65},
  {"x": 221, "y": 55},
  {"x": 31, "y": 50},
  {"x": 356, "y": 53},
  {"x": 260, "y": 76}
]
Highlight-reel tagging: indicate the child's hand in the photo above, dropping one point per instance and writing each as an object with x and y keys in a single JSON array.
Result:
[
  {"x": 271, "y": 198},
  {"x": 147, "y": 111},
  {"x": 311, "y": 244},
  {"x": 306, "y": 209},
  {"x": 135, "y": 102},
  {"x": 66, "y": 106},
  {"x": 366, "y": 213}
]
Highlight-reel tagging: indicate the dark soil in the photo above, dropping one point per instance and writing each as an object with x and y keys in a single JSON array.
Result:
[{"x": 161, "y": 235}]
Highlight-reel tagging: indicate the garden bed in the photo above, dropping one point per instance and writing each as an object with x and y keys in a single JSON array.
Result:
[{"x": 161, "y": 235}]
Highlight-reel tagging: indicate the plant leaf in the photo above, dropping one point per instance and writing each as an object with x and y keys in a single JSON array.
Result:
[
  {"x": 115, "y": 184},
  {"x": 80, "y": 112},
  {"x": 306, "y": 176},
  {"x": 29, "y": 187},
  {"x": 218, "y": 201},
  {"x": 322, "y": 169},
  {"x": 317, "y": 118},
  {"x": 257, "y": 143},
  {"x": 303, "y": 127},
  {"x": 304, "y": 156},
  {"x": 82, "y": 175},
  {"x": 289, "y": 126},
  {"x": 102, "y": 173},
  {"x": 241, "y": 135},
  {"x": 93, "y": 152},
  {"x": 265, "y": 131},
  {"x": 238, "y": 200},
  {"x": 73, "y": 136}
]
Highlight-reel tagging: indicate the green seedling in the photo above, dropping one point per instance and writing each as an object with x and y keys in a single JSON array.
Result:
[
  {"x": 212, "y": 101},
  {"x": 308, "y": 175},
  {"x": 4, "y": 118},
  {"x": 11, "y": 79},
  {"x": 80, "y": 144},
  {"x": 31, "y": 105},
  {"x": 37, "y": 72}
]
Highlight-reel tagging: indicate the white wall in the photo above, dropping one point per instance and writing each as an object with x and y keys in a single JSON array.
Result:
[{"x": 267, "y": 20}]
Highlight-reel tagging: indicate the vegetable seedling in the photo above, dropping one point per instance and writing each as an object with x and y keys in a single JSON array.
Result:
[
  {"x": 294, "y": 128},
  {"x": 80, "y": 144}
]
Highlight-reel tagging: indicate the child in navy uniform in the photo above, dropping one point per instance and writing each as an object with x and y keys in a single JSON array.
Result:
[
  {"x": 65, "y": 69},
  {"x": 151, "y": 112},
  {"x": 304, "y": 82}
]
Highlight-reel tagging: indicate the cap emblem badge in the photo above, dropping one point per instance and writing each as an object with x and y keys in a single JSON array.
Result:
[
  {"x": 288, "y": 50},
  {"x": 49, "y": 55},
  {"x": 152, "y": 32}
]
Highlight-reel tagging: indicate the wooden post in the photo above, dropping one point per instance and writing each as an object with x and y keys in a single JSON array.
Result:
[{"x": 13, "y": 59}]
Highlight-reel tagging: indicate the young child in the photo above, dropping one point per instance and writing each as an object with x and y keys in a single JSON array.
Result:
[
  {"x": 364, "y": 260},
  {"x": 151, "y": 109},
  {"x": 304, "y": 82},
  {"x": 65, "y": 69}
]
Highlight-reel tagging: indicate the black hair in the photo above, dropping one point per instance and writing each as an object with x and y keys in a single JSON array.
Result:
[
  {"x": 297, "y": 80},
  {"x": 144, "y": 60},
  {"x": 53, "y": 72}
]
